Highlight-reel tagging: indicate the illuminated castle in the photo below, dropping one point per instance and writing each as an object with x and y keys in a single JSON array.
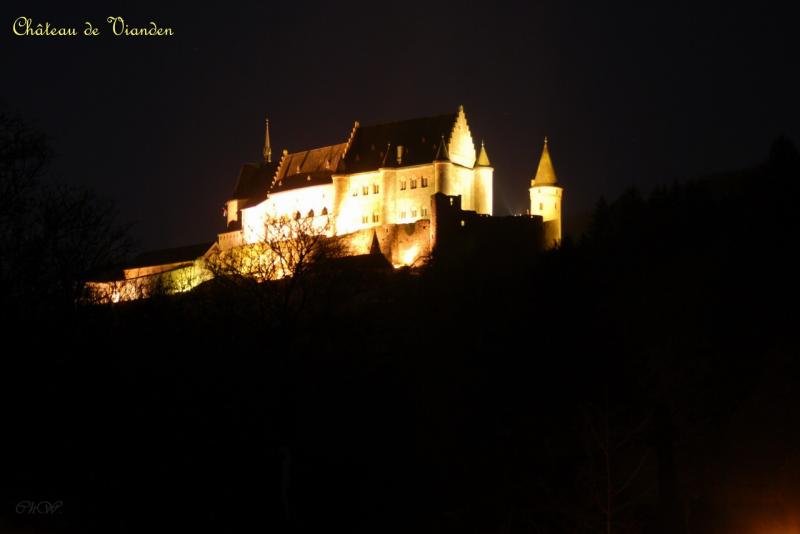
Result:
[
  {"x": 402, "y": 189},
  {"x": 382, "y": 176}
]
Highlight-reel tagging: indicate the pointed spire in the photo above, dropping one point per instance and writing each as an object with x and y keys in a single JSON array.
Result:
[
  {"x": 386, "y": 155},
  {"x": 545, "y": 174},
  {"x": 267, "y": 148},
  {"x": 375, "y": 247},
  {"x": 483, "y": 158},
  {"x": 441, "y": 152}
]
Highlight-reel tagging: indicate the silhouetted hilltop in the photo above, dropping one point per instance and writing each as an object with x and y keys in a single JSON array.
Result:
[{"x": 481, "y": 393}]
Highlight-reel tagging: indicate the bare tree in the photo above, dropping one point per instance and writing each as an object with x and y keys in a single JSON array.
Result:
[
  {"x": 281, "y": 267},
  {"x": 618, "y": 451},
  {"x": 51, "y": 235},
  {"x": 24, "y": 157}
]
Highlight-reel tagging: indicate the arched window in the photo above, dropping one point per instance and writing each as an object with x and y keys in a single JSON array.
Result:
[
  {"x": 297, "y": 216},
  {"x": 324, "y": 211},
  {"x": 310, "y": 213}
]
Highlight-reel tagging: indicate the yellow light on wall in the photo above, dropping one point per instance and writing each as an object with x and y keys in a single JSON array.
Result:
[{"x": 410, "y": 255}]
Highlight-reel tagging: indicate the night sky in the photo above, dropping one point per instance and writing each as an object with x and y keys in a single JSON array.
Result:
[{"x": 629, "y": 94}]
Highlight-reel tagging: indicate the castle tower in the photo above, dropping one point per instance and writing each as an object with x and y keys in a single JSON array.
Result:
[
  {"x": 546, "y": 198},
  {"x": 483, "y": 182},
  {"x": 441, "y": 169}
]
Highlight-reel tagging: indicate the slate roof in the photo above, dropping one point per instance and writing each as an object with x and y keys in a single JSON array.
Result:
[
  {"x": 483, "y": 158},
  {"x": 308, "y": 167},
  {"x": 295, "y": 170},
  {"x": 420, "y": 139},
  {"x": 254, "y": 180},
  {"x": 545, "y": 174},
  {"x": 371, "y": 148},
  {"x": 296, "y": 181}
]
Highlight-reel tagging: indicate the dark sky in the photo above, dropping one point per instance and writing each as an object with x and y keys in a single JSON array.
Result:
[{"x": 629, "y": 93}]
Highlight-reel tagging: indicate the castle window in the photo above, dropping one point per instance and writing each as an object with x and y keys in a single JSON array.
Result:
[
  {"x": 424, "y": 181},
  {"x": 365, "y": 190},
  {"x": 451, "y": 201},
  {"x": 424, "y": 212},
  {"x": 414, "y": 212},
  {"x": 364, "y": 219},
  {"x": 402, "y": 185},
  {"x": 375, "y": 189},
  {"x": 463, "y": 223},
  {"x": 413, "y": 183},
  {"x": 376, "y": 217}
]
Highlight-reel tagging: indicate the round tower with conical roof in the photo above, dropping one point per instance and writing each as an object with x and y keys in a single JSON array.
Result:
[
  {"x": 546, "y": 195},
  {"x": 483, "y": 182}
]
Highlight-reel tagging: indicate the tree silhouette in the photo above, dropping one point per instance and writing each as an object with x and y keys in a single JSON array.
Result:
[
  {"x": 52, "y": 235},
  {"x": 280, "y": 269}
]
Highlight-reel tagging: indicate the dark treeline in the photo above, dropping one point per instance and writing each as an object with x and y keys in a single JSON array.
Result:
[{"x": 641, "y": 378}]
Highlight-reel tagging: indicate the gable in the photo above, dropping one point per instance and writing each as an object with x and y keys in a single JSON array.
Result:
[{"x": 461, "y": 147}]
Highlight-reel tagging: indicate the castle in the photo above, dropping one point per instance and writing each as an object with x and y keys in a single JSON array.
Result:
[{"x": 403, "y": 187}]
